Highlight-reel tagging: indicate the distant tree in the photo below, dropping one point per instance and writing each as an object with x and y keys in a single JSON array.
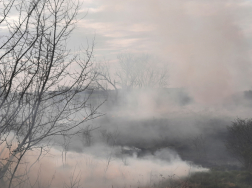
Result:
[
  {"x": 199, "y": 146},
  {"x": 248, "y": 94},
  {"x": 134, "y": 71},
  {"x": 239, "y": 141}
]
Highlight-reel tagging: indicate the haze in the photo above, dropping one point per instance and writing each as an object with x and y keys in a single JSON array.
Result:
[{"x": 171, "y": 127}]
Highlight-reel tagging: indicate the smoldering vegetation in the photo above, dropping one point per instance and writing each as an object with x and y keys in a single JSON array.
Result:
[
  {"x": 131, "y": 147},
  {"x": 148, "y": 121},
  {"x": 102, "y": 166},
  {"x": 142, "y": 138}
]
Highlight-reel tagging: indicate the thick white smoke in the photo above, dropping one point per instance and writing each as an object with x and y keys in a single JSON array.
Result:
[
  {"x": 95, "y": 171},
  {"x": 98, "y": 166}
]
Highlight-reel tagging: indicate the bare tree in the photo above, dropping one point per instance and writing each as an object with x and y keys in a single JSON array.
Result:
[
  {"x": 40, "y": 79},
  {"x": 134, "y": 71},
  {"x": 239, "y": 141}
]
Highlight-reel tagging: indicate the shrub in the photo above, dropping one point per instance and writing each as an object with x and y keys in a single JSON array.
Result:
[{"x": 239, "y": 141}]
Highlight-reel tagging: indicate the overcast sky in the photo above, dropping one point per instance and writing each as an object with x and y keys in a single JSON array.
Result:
[{"x": 206, "y": 44}]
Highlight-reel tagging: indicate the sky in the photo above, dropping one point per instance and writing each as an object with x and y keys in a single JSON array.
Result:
[{"x": 206, "y": 44}]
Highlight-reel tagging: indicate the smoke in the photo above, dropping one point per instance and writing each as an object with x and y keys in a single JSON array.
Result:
[
  {"x": 100, "y": 166},
  {"x": 207, "y": 44},
  {"x": 209, "y": 49},
  {"x": 95, "y": 171}
]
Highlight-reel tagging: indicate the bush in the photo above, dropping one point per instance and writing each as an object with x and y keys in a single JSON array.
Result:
[{"x": 239, "y": 141}]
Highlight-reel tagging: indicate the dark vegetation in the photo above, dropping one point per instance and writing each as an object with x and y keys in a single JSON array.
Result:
[
  {"x": 239, "y": 141},
  {"x": 216, "y": 143},
  {"x": 201, "y": 140},
  {"x": 212, "y": 179}
]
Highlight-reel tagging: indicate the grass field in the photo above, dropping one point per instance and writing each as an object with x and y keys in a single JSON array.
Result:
[{"x": 211, "y": 179}]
